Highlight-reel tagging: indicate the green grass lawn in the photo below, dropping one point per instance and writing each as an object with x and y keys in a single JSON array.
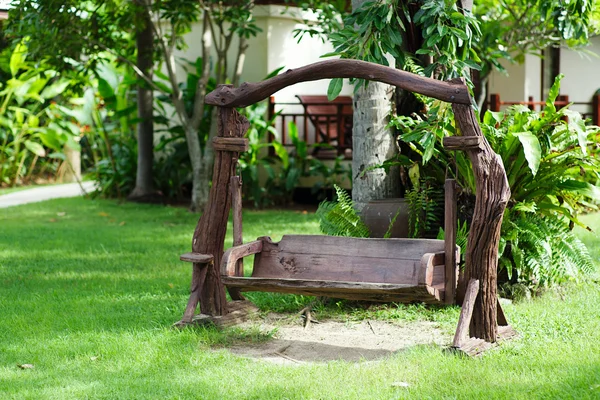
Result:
[{"x": 89, "y": 290}]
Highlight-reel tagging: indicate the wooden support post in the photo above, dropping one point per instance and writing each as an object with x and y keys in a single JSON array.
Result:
[
  {"x": 466, "y": 312},
  {"x": 495, "y": 102},
  {"x": 450, "y": 241},
  {"x": 209, "y": 235},
  {"x": 492, "y": 195},
  {"x": 596, "y": 109},
  {"x": 236, "y": 205}
]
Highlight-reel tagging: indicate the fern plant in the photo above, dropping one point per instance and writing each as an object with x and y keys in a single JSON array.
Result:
[
  {"x": 339, "y": 218},
  {"x": 542, "y": 249},
  {"x": 425, "y": 201}
]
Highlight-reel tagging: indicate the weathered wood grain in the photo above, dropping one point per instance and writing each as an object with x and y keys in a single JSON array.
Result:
[
  {"x": 466, "y": 312},
  {"x": 331, "y": 258},
  {"x": 232, "y": 255},
  {"x": 302, "y": 271},
  {"x": 210, "y": 232},
  {"x": 463, "y": 142},
  {"x": 354, "y": 247},
  {"x": 492, "y": 195},
  {"x": 450, "y": 226},
  {"x": 196, "y": 257},
  {"x": 250, "y": 93},
  {"x": 474, "y": 347},
  {"x": 236, "y": 205},
  {"x": 405, "y": 293},
  {"x": 230, "y": 144}
]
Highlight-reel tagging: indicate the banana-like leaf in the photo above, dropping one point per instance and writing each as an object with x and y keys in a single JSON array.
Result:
[
  {"x": 583, "y": 188},
  {"x": 55, "y": 89},
  {"x": 18, "y": 57},
  {"x": 531, "y": 149},
  {"x": 35, "y": 148}
]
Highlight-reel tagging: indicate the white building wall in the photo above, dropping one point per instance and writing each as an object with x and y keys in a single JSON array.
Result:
[
  {"x": 272, "y": 48},
  {"x": 582, "y": 75},
  {"x": 533, "y": 78},
  {"x": 510, "y": 87}
]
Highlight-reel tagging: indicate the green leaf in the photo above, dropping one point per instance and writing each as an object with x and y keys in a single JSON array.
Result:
[
  {"x": 282, "y": 153},
  {"x": 531, "y": 149},
  {"x": 50, "y": 139},
  {"x": 582, "y": 188},
  {"x": 105, "y": 90},
  {"x": 554, "y": 90},
  {"x": 335, "y": 88},
  {"x": 18, "y": 57},
  {"x": 55, "y": 89},
  {"x": 35, "y": 148}
]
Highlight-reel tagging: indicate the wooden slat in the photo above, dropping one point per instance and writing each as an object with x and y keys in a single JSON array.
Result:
[
  {"x": 463, "y": 142},
  {"x": 286, "y": 265},
  {"x": 235, "y": 184},
  {"x": 338, "y": 289},
  {"x": 450, "y": 226},
  {"x": 475, "y": 347},
  {"x": 462, "y": 331},
  {"x": 355, "y": 247},
  {"x": 235, "y": 144},
  {"x": 196, "y": 258}
]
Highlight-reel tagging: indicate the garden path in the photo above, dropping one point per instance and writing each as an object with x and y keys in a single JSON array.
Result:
[{"x": 42, "y": 193}]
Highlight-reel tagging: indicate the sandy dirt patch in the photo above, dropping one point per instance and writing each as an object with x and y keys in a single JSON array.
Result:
[{"x": 365, "y": 340}]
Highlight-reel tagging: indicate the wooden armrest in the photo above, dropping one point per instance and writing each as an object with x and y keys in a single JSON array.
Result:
[
  {"x": 428, "y": 262},
  {"x": 197, "y": 258},
  {"x": 235, "y": 253}
]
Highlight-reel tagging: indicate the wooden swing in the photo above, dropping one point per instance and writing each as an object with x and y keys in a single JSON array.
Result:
[{"x": 352, "y": 268}]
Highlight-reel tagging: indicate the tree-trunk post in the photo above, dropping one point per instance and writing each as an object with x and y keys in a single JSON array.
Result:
[
  {"x": 209, "y": 235},
  {"x": 372, "y": 142},
  {"x": 144, "y": 181},
  {"x": 492, "y": 195}
]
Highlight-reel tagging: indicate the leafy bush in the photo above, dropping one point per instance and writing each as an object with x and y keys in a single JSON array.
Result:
[
  {"x": 551, "y": 174},
  {"x": 31, "y": 133}
]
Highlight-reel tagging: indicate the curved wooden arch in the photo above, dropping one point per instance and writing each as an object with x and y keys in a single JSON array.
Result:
[{"x": 250, "y": 93}]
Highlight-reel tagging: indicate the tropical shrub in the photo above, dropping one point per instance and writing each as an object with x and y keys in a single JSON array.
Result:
[
  {"x": 106, "y": 116},
  {"x": 32, "y": 136},
  {"x": 552, "y": 179},
  {"x": 550, "y": 173}
]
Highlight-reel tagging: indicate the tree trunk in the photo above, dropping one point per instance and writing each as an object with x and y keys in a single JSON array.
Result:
[
  {"x": 144, "y": 180},
  {"x": 200, "y": 169},
  {"x": 372, "y": 142},
  {"x": 493, "y": 193}
]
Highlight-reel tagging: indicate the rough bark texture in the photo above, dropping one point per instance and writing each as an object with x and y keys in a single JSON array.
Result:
[
  {"x": 372, "y": 144},
  {"x": 212, "y": 226},
  {"x": 250, "y": 93},
  {"x": 144, "y": 183},
  {"x": 492, "y": 195}
]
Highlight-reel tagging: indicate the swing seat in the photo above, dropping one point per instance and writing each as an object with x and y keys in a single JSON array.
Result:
[{"x": 384, "y": 270}]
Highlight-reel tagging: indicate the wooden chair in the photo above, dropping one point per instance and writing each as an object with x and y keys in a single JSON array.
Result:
[{"x": 332, "y": 119}]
